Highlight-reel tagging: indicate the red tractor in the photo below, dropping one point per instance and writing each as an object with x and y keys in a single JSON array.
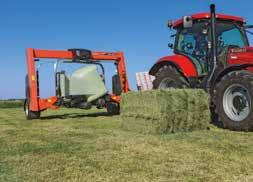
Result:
[{"x": 212, "y": 52}]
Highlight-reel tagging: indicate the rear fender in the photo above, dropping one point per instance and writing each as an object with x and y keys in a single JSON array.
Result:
[{"x": 232, "y": 68}]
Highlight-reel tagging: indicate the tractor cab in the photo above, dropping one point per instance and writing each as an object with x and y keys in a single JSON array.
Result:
[{"x": 193, "y": 38}]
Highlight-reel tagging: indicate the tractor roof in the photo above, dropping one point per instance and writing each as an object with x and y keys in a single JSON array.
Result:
[{"x": 207, "y": 15}]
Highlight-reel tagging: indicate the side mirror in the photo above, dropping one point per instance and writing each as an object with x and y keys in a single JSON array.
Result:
[
  {"x": 170, "y": 24},
  {"x": 170, "y": 45},
  {"x": 187, "y": 21}
]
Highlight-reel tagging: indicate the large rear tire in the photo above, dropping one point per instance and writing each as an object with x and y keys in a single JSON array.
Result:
[
  {"x": 28, "y": 113},
  {"x": 233, "y": 99},
  {"x": 169, "y": 77}
]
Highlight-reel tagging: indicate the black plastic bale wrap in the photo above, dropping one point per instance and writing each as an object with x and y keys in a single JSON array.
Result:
[{"x": 165, "y": 111}]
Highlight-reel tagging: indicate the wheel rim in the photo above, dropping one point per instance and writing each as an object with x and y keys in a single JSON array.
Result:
[
  {"x": 167, "y": 83},
  {"x": 26, "y": 108},
  {"x": 237, "y": 102}
]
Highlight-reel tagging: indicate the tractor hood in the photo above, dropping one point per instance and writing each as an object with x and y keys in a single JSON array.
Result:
[{"x": 241, "y": 56}]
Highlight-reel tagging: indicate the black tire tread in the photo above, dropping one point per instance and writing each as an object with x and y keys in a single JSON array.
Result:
[
  {"x": 169, "y": 71},
  {"x": 31, "y": 115},
  {"x": 244, "y": 77},
  {"x": 113, "y": 108}
]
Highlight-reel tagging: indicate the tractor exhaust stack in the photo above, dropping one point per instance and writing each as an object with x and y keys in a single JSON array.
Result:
[{"x": 213, "y": 56}]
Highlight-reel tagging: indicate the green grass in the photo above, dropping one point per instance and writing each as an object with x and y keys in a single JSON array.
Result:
[
  {"x": 11, "y": 104},
  {"x": 76, "y": 145}
]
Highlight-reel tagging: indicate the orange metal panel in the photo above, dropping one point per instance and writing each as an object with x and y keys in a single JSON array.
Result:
[
  {"x": 53, "y": 54},
  {"x": 48, "y": 103},
  {"x": 32, "y": 80}
]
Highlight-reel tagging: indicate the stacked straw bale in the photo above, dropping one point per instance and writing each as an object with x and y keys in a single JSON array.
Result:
[{"x": 165, "y": 111}]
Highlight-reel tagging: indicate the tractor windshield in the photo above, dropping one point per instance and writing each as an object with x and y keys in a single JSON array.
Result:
[
  {"x": 194, "y": 41},
  {"x": 230, "y": 34}
]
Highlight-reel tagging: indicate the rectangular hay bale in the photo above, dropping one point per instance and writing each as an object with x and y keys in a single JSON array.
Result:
[{"x": 165, "y": 111}]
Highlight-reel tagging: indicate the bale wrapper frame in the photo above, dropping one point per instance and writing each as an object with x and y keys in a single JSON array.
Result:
[{"x": 73, "y": 91}]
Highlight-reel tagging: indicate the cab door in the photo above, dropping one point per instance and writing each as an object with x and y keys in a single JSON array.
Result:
[{"x": 193, "y": 43}]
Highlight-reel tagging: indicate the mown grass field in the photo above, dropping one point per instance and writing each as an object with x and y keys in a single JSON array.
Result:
[
  {"x": 77, "y": 145},
  {"x": 10, "y": 104}
]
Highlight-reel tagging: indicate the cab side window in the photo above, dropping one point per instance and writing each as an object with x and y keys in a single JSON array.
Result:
[
  {"x": 186, "y": 42},
  {"x": 193, "y": 41},
  {"x": 229, "y": 35}
]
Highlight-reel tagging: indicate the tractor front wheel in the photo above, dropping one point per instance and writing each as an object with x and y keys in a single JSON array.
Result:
[
  {"x": 169, "y": 77},
  {"x": 233, "y": 99},
  {"x": 30, "y": 114}
]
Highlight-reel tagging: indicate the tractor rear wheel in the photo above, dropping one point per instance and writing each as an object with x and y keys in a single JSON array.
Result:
[
  {"x": 169, "y": 77},
  {"x": 233, "y": 99},
  {"x": 28, "y": 113}
]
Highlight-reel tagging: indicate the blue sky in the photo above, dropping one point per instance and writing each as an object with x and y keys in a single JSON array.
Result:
[{"x": 136, "y": 27}]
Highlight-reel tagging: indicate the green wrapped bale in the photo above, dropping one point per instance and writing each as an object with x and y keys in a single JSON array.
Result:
[{"x": 165, "y": 111}]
